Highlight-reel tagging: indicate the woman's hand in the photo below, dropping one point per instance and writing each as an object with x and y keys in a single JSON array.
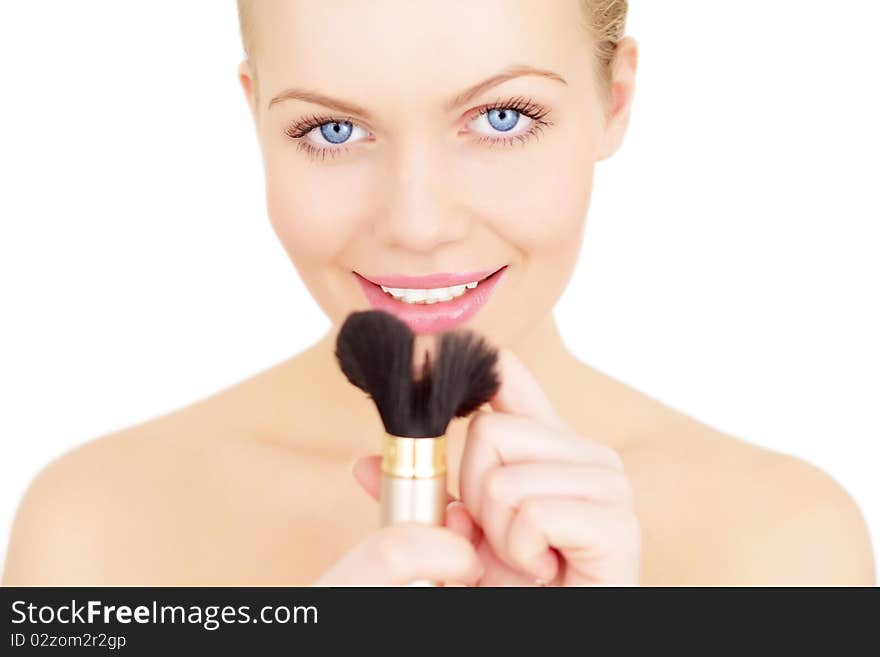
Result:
[
  {"x": 400, "y": 554},
  {"x": 551, "y": 503},
  {"x": 540, "y": 503}
]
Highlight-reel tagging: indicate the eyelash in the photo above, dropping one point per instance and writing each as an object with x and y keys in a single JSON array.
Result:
[{"x": 525, "y": 106}]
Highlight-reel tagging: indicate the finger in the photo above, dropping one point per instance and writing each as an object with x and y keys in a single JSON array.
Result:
[
  {"x": 399, "y": 554},
  {"x": 509, "y": 485},
  {"x": 520, "y": 394},
  {"x": 459, "y": 520},
  {"x": 495, "y": 439},
  {"x": 600, "y": 543},
  {"x": 505, "y": 488},
  {"x": 367, "y": 471}
]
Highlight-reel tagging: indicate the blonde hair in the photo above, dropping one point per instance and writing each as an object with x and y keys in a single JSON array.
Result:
[
  {"x": 246, "y": 27},
  {"x": 603, "y": 20}
]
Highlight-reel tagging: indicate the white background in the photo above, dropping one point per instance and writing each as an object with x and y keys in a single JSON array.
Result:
[{"x": 730, "y": 266}]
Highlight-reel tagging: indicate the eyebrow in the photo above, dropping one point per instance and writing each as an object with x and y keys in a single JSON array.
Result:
[{"x": 462, "y": 98}]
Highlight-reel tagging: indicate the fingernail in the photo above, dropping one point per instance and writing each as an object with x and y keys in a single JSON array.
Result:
[
  {"x": 353, "y": 464},
  {"x": 546, "y": 565},
  {"x": 541, "y": 582}
]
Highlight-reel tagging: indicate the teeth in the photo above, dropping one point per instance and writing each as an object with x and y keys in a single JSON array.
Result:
[{"x": 428, "y": 296}]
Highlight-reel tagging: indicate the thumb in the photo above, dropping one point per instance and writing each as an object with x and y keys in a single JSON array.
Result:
[
  {"x": 368, "y": 474},
  {"x": 520, "y": 394},
  {"x": 459, "y": 520}
]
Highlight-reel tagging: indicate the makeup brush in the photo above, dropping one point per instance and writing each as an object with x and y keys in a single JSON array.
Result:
[{"x": 375, "y": 352}]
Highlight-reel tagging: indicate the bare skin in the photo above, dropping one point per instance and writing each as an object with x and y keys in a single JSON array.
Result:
[{"x": 254, "y": 486}]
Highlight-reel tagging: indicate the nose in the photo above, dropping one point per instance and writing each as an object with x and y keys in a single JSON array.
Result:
[{"x": 422, "y": 211}]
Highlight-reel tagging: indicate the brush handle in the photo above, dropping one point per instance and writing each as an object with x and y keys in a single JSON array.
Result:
[
  {"x": 413, "y": 483},
  {"x": 413, "y": 500}
]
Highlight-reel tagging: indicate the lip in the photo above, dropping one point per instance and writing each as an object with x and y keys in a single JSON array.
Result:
[{"x": 434, "y": 317}]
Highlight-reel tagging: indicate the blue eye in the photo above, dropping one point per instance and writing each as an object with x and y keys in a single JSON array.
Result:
[
  {"x": 337, "y": 132},
  {"x": 503, "y": 119},
  {"x": 327, "y": 136},
  {"x": 318, "y": 132},
  {"x": 493, "y": 121}
]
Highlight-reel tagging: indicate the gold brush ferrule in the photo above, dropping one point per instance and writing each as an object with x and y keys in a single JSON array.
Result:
[
  {"x": 413, "y": 458},
  {"x": 413, "y": 480}
]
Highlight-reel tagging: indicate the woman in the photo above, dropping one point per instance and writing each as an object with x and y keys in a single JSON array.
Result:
[{"x": 403, "y": 140}]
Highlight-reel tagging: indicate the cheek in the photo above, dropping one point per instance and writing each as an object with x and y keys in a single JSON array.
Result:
[
  {"x": 536, "y": 196},
  {"x": 314, "y": 211},
  {"x": 316, "y": 214},
  {"x": 536, "y": 200},
  {"x": 547, "y": 225}
]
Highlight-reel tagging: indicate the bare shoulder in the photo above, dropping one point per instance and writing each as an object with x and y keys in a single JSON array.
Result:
[
  {"x": 87, "y": 504},
  {"x": 200, "y": 495},
  {"x": 797, "y": 525},
  {"x": 720, "y": 510},
  {"x": 716, "y": 509}
]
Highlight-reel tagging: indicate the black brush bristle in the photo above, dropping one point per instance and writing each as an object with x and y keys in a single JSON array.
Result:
[
  {"x": 464, "y": 374},
  {"x": 375, "y": 351}
]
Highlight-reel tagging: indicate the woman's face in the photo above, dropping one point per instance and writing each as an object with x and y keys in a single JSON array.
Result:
[{"x": 409, "y": 177}]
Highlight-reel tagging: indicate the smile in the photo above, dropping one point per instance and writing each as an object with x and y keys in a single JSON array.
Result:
[
  {"x": 428, "y": 295},
  {"x": 433, "y": 303}
]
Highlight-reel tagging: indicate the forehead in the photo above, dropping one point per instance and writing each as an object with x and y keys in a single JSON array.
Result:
[{"x": 405, "y": 49}]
